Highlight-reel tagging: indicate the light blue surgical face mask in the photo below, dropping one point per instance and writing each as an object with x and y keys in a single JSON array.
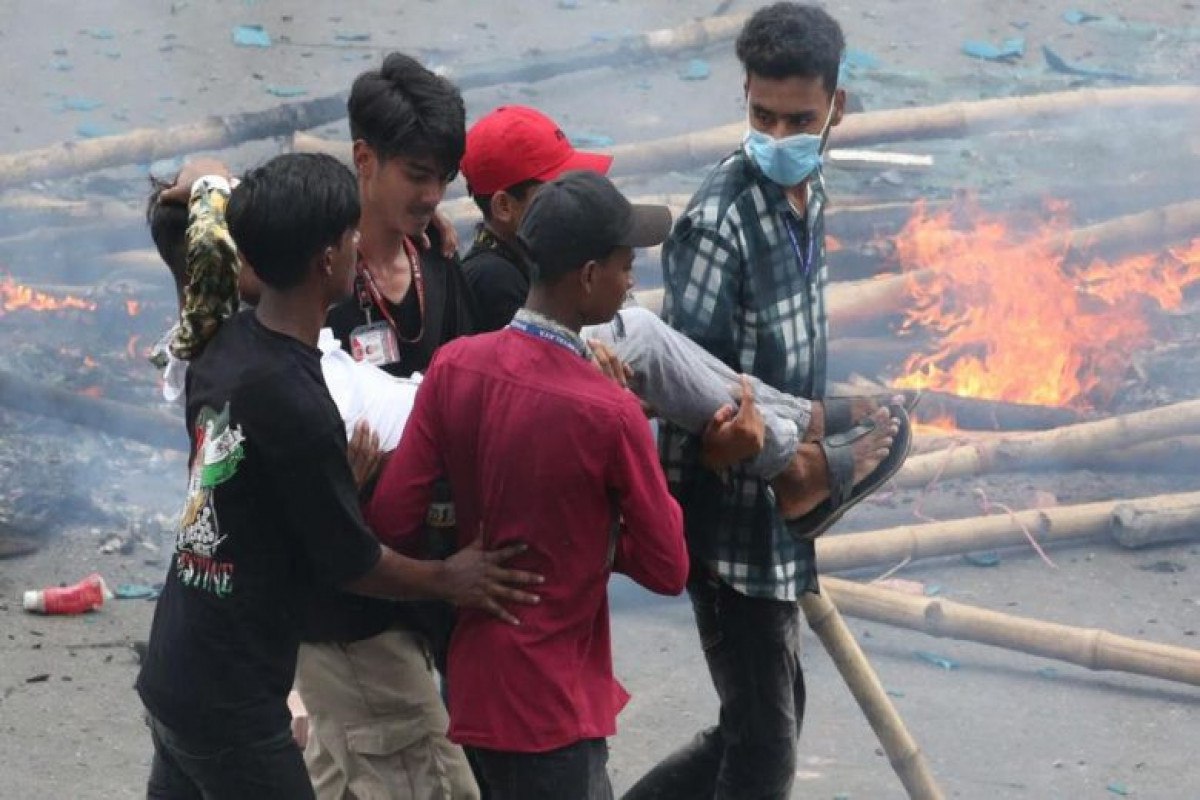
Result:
[{"x": 791, "y": 160}]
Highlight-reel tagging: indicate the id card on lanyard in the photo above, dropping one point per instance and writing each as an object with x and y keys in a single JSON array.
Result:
[
  {"x": 378, "y": 342},
  {"x": 803, "y": 255}
]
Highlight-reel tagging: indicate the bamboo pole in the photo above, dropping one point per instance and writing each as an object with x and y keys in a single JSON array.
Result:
[
  {"x": 118, "y": 419},
  {"x": 623, "y": 52},
  {"x": 1093, "y": 648},
  {"x": 1176, "y": 454},
  {"x": 902, "y": 750},
  {"x": 145, "y": 145},
  {"x": 1131, "y": 523},
  {"x": 1147, "y": 230},
  {"x": 980, "y": 413},
  {"x": 950, "y": 120},
  {"x": 1067, "y": 445}
]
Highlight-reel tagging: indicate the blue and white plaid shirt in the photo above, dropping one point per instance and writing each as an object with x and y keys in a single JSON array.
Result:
[{"x": 745, "y": 278}]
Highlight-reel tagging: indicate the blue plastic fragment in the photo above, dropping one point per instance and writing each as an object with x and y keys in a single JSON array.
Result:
[
  {"x": 933, "y": 589},
  {"x": 1118, "y": 788},
  {"x": 286, "y": 91},
  {"x": 81, "y": 104},
  {"x": 62, "y": 66},
  {"x": 938, "y": 661},
  {"x": 984, "y": 558},
  {"x": 101, "y": 34},
  {"x": 353, "y": 36},
  {"x": 1009, "y": 49},
  {"x": 251, "y": 36},
  {"x": 1048, "y": 672},
  {"x": 1060, "y": 64},
  {"x": 696, "y": 69},
  {"x": 895, "y": 693},
  {"x": 1074, "y": 16},
  {"x": 586, "y": 140},
  {"x": 136, "y": 591}
]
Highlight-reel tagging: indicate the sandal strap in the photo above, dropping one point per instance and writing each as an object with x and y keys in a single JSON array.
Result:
[
  {"x": 837, "y": 414},
  {"x": 840, "y": 457}
]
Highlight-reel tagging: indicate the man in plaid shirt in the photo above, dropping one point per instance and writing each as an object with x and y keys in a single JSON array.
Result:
[{"x": 745, "y": 275}]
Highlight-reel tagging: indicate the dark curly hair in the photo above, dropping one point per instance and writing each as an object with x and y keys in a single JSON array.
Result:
[
  {"x": 790, "y": 39},
  {"x": 403, "y": 109}
]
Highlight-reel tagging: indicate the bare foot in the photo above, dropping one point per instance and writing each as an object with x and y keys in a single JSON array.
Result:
[{"x": 805, "y": 483}]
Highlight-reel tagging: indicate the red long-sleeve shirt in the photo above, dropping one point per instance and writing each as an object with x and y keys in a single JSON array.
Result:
[{"x": 538, "y": 448}]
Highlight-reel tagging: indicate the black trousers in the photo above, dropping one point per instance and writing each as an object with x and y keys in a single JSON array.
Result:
[
  {"x": 752, "y": 646},
  {"x": 272, "y": 769},
  {"x": 578, "y": 771}
]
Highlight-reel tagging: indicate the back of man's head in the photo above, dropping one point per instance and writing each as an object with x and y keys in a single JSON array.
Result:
[
  {"x": 403, "y": 109},
  {"x": 788, "y": 39},
  {"x": 287, "y": 211},
  {"x": 168, "y": 228},
  {"x": 581, "y": 217}
]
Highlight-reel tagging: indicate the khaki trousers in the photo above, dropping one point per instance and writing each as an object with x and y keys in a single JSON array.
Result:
[{"x": 377, "y": 725}]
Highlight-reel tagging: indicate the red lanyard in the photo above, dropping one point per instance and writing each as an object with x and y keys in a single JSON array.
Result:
[{"x": 369, "y": 293}]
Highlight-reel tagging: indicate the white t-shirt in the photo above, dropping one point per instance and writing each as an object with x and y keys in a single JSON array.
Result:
[{"x": 361, "y": 391}]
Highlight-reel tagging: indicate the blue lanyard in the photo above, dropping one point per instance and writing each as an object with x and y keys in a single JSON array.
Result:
[
  {"x": 548, "y": 335},
  {"x": 805, "y": 263}
]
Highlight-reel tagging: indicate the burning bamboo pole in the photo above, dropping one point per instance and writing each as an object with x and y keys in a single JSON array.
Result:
[
  {"x": 117, "y": 419},
  {"x": 1149, "y": 229},
  {"x": 947, "y": 121},
  {"x": 981, "y": 414},
  {"x": 902, "y": 750},
  {"x": 1130, "y": 523},
  {"x": 1095, "y": 649},
  {"x": 145, "y": 145},
  {"x": 1066, "y": 445}
]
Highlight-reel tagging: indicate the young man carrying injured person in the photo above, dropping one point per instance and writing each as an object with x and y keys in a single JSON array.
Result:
[
  {"x": 511, "y": 152},
  {"x": 539, "y": 446},
  {"x": 271, "y": 510}
]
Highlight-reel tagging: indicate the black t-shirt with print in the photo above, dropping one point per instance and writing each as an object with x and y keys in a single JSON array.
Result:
[{"x": 271, "y": 514}]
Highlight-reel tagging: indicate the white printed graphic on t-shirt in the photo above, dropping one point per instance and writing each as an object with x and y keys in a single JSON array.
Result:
[{"x": 217, "y": 455}]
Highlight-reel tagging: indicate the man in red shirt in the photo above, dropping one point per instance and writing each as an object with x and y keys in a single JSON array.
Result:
[{"x": 539, "y": 447}]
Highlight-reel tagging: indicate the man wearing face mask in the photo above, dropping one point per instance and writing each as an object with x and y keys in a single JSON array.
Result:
[{"x": 744, "y": 272}]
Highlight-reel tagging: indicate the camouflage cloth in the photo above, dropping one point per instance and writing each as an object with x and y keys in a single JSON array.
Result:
[{"x": 211, "y": 296}]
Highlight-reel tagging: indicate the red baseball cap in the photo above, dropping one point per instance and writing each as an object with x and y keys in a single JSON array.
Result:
[{"x": 514, "y": 144}]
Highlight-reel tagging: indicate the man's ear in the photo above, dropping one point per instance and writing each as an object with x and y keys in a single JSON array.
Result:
[
  {"x": 326, "y": 263},
  {"x": 839, "y": 106},
  {"x": 587, "y": 276},
  {"x": 364, "y": 158},
  {"x": 502, "y": 207}
]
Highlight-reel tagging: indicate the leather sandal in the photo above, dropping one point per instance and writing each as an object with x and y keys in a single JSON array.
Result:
[{"x": 843, "y": 493}]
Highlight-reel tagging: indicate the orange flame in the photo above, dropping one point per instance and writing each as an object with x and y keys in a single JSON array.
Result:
[
  {"x": 1016, "y": 322},
  {"x": 132, "y": 307},
  {"x": 15, "y": 297}
]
